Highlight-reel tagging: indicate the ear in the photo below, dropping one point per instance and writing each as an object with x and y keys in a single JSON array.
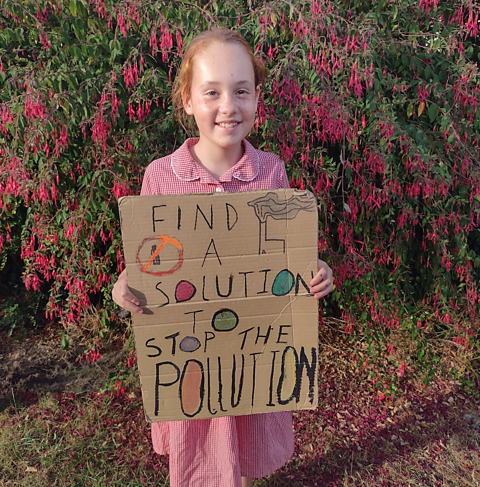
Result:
[{"x": 187, "y": 103}]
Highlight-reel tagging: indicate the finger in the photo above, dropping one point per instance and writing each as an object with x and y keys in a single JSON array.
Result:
[
  {"x": 127, "y": 301},
  {"x": 320, "y": 292},
  {"x": 318, "y": 278},
  {"x": 131, "y": 298},
  {"x": 321, "y": 286},
  {"x": 132, "y": 303},
  {"x": 129, "y": 306},
  {"x": 323, "y": 293},
  {"x": 327, "y": 279}
]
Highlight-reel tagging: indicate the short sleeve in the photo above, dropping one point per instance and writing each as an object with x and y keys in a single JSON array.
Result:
[{"x": 282, "y": 178}]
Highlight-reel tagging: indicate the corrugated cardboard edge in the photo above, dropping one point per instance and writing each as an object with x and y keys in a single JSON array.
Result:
[{"x": 122, "y": 200}]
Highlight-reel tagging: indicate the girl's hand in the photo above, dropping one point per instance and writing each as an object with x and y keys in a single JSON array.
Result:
[
  {"x": 122, "y": 295},
  {"x": 322, "y": 283}
]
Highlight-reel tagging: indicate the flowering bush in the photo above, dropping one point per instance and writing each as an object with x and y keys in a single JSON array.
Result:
[{"x": 372, "y": 105}]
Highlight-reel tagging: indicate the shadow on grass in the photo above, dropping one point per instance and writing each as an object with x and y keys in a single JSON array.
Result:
[
  {"x": 18, "y": 400},
  {"x": 371, "y": 448}
]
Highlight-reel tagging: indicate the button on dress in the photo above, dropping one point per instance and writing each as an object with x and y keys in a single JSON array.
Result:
[{"x": 217, "y": 452}]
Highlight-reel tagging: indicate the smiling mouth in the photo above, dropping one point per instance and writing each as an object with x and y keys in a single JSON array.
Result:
[{"x": 228, "y": 125}]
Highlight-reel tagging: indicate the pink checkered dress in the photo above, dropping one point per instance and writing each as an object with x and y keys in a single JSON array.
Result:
[{"x": 216, "y": 452}]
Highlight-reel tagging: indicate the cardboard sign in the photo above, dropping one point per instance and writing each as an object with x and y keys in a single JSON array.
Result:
[{"x": 229, "y": 326}]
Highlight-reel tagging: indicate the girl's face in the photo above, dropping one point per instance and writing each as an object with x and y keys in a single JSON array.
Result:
[{"x": 223, "y": 96}]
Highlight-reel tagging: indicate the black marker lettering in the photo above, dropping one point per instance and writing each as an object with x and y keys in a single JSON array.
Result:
[
  {"x": 263, "y": 239},
  {"x": 265, "y": 281},
  {"x": 240, "y": 385},
  {"x": 203, "y": 290},
  {"x": 229, "y": 224},
  {"x": 254, "y": 355},
  {"x": 263, "y": 336},
  {"x": 209, "y": 389},
  {"x": 212, "y": 253},
  {"x": 244, "y": 333},
  {"x": 245, "y": 279},
  {"x": 207, "y": 333},
  {"x": 158, "y": 349},
  {"x": 156, "y": 220},
  {"x": 311, "y": 367},
  {"x": 280, "y": 332},
  {"x": 230, "y": 282},
  {"x": 166, "y": 297},
  {"x": 174, "y": 342},
  {"x": 272, "y": 371},
  {"x": 209, "y": 223},
  {"x": 297, "y": 284},
  {"x": 194, "y": 313},
  {"x": 220, "y": 385},
  {"x": 283, "y": 376},
  {"x": 179, "y": 218},
  {"x": 166, "y": 384}
]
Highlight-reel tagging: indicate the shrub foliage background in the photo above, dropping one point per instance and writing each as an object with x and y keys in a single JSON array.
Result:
[{"x": 372, "y": 105}]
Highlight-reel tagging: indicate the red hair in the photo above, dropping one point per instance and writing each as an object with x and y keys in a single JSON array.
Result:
[{"x": 183, "y": 81}]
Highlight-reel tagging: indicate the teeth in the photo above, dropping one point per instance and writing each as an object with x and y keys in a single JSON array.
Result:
[{"x": 228, "y": 125}]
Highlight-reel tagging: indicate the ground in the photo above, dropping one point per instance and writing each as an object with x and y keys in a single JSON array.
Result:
[
  {"x": 38, "y": 363},
  {"x": 64, "y": 423}
]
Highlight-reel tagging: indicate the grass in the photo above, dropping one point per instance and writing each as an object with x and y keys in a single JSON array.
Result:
[
  {"x": 356, "y": 437},
  {"x": 78, "y": 440}
]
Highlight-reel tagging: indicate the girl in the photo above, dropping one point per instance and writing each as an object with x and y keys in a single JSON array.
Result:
[{"x": 219, "y": 85}]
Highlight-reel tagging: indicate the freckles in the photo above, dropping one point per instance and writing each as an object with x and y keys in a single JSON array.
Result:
[
  {"x": 203, "y": 104},
  {"x": 247, "y": 103}
]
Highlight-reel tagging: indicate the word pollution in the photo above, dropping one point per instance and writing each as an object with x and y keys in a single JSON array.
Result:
[{"x": 229, "y": 324}]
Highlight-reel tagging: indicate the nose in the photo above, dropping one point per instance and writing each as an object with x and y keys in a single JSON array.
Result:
[{"x": 227, "y": 103}]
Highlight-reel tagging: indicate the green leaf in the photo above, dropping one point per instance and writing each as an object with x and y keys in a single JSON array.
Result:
[
  {"x": 394, "y": 11},
  {"x": 73, "y": 7},
  {"x": 114, "y": 54},
  {"x": 72, "y": 81},
  {"x": 80, "y": 9},
  {"x": 410, "y": 110},
  {"x": 432, "y": 112},
  {"x": 65, "y": 342}
]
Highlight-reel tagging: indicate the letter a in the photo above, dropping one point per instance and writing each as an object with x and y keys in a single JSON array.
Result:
[{"x": 212, "y": 243}]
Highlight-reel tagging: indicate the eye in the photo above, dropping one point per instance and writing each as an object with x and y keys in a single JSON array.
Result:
[
  {"x": 211, "y": 93},
  {"x": 242, "y": 92}
]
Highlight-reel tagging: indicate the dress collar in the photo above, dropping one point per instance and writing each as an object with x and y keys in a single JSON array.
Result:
[{"x": 186, "y": 169}]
